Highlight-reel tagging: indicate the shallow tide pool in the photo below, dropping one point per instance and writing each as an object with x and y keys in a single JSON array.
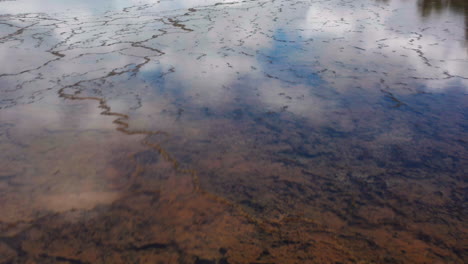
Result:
[{"x": 220, "y": 131}]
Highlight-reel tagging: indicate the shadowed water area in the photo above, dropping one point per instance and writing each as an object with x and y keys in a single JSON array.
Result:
[{"x": 214, "y": 132}]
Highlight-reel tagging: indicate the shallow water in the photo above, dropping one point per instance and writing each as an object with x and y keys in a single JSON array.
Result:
[{"x": 233, "y": 131}]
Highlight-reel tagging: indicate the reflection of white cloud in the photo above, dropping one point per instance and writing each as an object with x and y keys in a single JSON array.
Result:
[
  {"x": 388, "y": 43},
  {"x": 95, "y": 7},
  {"x": 205, "y": 65},
  {"x": 208, "y": 78}
]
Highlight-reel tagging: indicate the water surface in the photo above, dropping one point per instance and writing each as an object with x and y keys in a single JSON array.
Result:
[{"x": 233, "y": 131}]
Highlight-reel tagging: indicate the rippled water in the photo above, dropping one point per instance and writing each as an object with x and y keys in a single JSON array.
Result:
[{"x": 211, "y": 131}]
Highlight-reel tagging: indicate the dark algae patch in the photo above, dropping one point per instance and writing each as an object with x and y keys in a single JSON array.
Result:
[{"x": 215, "y": 132}]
